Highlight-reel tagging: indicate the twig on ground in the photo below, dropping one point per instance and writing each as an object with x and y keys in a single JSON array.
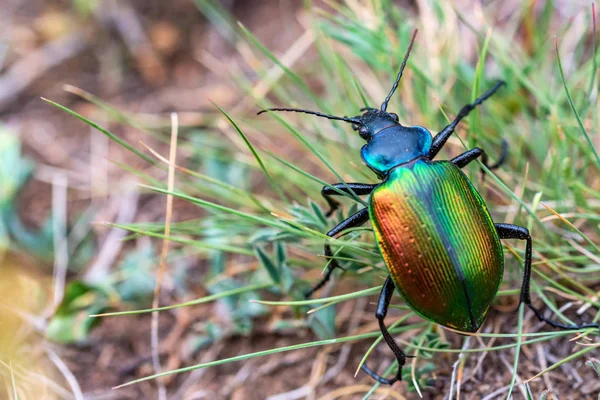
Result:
[
  {"x": 66, "y": 372},
  {"x": 25, "y": 71},
  {"x": 59, "y": 234}
]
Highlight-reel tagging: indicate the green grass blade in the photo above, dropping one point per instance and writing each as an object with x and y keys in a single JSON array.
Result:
[
  {"x": 205, "y": 299},
  {"x": 307, "y": 232},
  {"x": 475, "y": 125},
  {"x": 342, "y": 297},
  {"x": 594, "y": 58},
  {"x": 253, "y": 355},
  {"x": 111, "y": 135},
  {"x": 565, "y": 360},
  {"x": 517, "y": 350},
  {"x": 116, "y": 114},
  {"x": 273, "y": 184},
  {"x": 297, "y": 80},
  {"x": 182, "y": 240},
  {"x": 572, "y": 105},
  {"x": 335, "y": 341}
]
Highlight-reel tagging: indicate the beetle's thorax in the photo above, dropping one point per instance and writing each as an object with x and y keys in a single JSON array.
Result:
[{"x": 395, "y": 145}]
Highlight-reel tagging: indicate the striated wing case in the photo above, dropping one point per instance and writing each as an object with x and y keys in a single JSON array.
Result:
[{"x": 439, "y": 243}]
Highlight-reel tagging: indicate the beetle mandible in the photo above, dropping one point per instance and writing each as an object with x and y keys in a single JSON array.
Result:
[{"x": 433, "y": 229}]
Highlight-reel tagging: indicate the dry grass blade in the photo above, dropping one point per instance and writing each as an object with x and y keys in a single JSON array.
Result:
[{"x": 163, "y": 255}]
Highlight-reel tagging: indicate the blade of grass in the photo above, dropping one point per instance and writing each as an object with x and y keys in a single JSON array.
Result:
[
  {"x": 341, "y": 340},
  {"x": 162, "y": 266},
  {"x": 115, "y": 113},
  {"x": 216, "y": 182},
  {"x": 297, "y": 80},
  {"x": 565, "y": 360},
  {"x": 566, "y": 221},
  {"x": 594, "y": 58},
  {"x": 182, "y": 240},
  {"x": 572, "y": 105},
  {"x": 206, "y": 299},
  {"x": 111, "y": 135},
  {"x": 256, "y": 354},
  {"x": 342, "y": 297},
  {"x": 254, "y": 218},
  {"x": 474, "y": 119},
  {"x": 273, "y": 184},
  {"x": 513, "y": 380},
  {"x": 12, "y": 380}
]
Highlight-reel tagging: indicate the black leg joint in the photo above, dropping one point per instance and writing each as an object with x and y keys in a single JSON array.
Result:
[
  {"x": 382, "y": 307},
  {"x": 355, "y": 220},
  {"x": 360, "y": 189}
]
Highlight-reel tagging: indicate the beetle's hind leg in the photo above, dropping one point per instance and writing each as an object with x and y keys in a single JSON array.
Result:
[
  {"x": 360, "y": 189},
  {"x": 382, "y": 307},
  {"x": 509, "y": 231},
  {"x": 355, "y": 220},
  {"x": 467, "y": 157}
]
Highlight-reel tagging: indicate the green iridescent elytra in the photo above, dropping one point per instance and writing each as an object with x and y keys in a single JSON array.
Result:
[{"x": 438, "y": 242}]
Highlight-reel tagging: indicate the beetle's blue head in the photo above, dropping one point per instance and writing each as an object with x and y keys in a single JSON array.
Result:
[
  {"x": 389, "y": 143},
  {"x": 374, "y": 121}
]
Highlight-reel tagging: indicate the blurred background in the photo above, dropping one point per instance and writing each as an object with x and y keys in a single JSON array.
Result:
[{"x": 126, "y": 66}]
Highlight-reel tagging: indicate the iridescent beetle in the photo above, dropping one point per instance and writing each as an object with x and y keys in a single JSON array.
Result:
[{"x": 434, "y": 231}]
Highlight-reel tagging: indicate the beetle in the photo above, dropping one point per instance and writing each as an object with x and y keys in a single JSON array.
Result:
[{"x": 433, "y": 229}]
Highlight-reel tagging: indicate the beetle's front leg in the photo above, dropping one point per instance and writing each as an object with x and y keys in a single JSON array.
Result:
[
  {"x": 442, "y": 137},
  {"x": 359, "y": 189},
  {"x": 354, "y": 220},
  {"x": 382, "y": 307},
  {"x": 509, "y": 231},
  {"x": 467, "y": 157}
]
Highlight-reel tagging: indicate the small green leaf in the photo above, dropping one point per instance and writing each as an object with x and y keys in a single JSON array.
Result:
[
  {"x": 280, "y": 253},
  {"x": 318, "y": 212},
  {"x": 70, "y": 323},
  {"x": 268, "y": 264}
]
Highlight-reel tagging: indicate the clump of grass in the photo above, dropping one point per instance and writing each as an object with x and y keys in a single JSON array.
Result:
[{"x": 551, "y": 183}]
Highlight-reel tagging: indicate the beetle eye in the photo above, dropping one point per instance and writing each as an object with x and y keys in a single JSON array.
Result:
[
  {"x": 355, "y": 127},
  {"x": 363, "y": 132},
  {"x": 395, "y": 117}
]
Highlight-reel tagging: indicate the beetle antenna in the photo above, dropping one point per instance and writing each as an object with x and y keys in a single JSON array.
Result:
[
  {"x": 395, "y": 86},
  {"x": 318, "y": 114}
]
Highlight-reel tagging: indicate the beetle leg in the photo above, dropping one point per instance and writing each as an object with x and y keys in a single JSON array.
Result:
[
  {"x": 382, "y": 307},
  {"x": 354, "y": 220},
  {"x": 467, "y": 157},
  {"x": 360, "y": 189},
  {"x": 509, "y": 231},
  {"x": 440, "y": 139}
]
